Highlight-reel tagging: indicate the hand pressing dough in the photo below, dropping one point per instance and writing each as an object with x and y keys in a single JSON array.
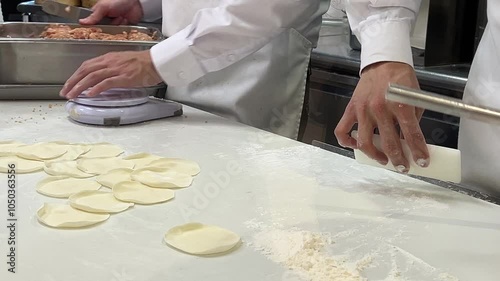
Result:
[
  {"x": 160, "y": 178},
  {"x": 64, "y": 187},
  {"x": 175, "y": 164},
  {"x": 98, "y": 202},
  {"x": 23, "y": 166},
  {"x": 102, "y": 150},
  {"x": 64, "y": 216},
  {"x": 73, "y": 150},
  {"x": 135, "y": 192},
  {"x": 101, "y": 166},
  {"x": 40, "y": 151},
  {"x": 114, "y": 176},
  {"x": 141, "y": 160},
  {"x": 7, "y": 147},
  {"x": 200, "y": 239},
  {"x": 65, "y": 168}
]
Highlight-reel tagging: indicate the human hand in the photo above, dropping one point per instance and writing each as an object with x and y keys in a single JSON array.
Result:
[
  {"x": 123, "y": 11},
  {"x": 370, "y": 110},
  {"x": 112, "y": 70}
]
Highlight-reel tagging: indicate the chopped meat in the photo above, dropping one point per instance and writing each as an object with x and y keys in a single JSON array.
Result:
[
  {"x": 60, "y": 31},
  {"x": 135, "y": 35}
]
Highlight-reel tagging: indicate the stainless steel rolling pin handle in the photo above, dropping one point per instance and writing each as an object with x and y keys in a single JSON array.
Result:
[{"x": 442, "y": 104}]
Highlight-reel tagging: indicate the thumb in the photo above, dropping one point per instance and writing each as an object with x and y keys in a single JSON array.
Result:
[{"x": 97, "y": 15}]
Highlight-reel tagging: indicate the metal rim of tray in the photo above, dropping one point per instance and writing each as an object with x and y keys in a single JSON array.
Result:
[{"x": 148, "y": 30}]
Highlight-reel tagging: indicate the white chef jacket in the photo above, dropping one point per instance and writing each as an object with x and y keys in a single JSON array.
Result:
[
  {"x": 384, "y": 27},
  {"x": 242, "y": 59}
]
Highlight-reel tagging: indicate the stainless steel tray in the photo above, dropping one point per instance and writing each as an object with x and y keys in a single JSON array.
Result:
[
  {"x": 33, "y": 30},
  {"x": 27, "y": 59},
  {"x": 51, "y": 92}
]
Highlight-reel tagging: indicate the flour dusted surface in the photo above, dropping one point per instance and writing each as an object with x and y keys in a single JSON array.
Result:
[{"x": 305, "y": 253}]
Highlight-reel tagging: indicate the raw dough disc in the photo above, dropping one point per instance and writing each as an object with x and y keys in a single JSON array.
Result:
[
  {"x": 141, "y": 160},
  {"x": 160, "y": 178},
  {"x": 179, "y": 165},
  {"x": 114, "y": 176},
  {"x": 200, "y": 239},
  {"x": 73, "y": 150},
  {"x": 102, "y": 150},
  {"x": 65, "y": 168},
  {"x": 40, "y": 151},
  {"x": 98, "y": 202},
  {"x": 101, "y": 166},
  {"x": 23, "y": 166},
  {"x": 65, "y": 216},
  {"x": 7, "y": 147},
  {"x": 135, "y": 192},
  {"x": 64, "y": 187}
]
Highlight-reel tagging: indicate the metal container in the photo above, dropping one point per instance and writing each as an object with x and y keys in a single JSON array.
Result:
[{"x": 28, "y": 59}]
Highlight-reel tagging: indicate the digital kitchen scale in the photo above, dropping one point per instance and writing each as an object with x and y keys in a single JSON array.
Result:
[{"x": 120, "y": 107}]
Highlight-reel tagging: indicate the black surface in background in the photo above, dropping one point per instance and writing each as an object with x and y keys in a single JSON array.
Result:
[{"x": 9, "y": 10}]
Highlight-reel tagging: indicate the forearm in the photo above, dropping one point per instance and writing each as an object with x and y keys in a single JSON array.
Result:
[{"x": 383, "y": 28}]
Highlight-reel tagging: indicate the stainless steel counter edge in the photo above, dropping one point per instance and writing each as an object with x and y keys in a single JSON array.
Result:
[{"x": 451, "y": 186}]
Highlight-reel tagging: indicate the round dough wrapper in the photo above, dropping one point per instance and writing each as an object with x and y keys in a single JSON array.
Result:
[
  {"x": 160, "y": 178},
  {"x": 200, "y": 239},
  {"x": 64, "y": 187},
  {"x": 65, "y": 216},
  {"x": 101, "y": 166},
  {"x": 135, "y": 192},
  {"x": 65, "y": 168},
  {"x": 98, "y": 202},
  {"x": 23, "y": 166},
  {"x": 103, "y": 150},
  {"x": 141, "y": 160},
  {"x": 115, "y": 176},
  {"x": 7, "y": 148},
  {"x": 176, "y": 164},
  {"x": 73, "y": 150},
  {"x": 40, "y": 151}
]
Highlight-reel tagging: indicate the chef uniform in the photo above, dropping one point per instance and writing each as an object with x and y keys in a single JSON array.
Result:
[
  {"x": 246, "y": 60},
  {"x": 383, "y": 28}
]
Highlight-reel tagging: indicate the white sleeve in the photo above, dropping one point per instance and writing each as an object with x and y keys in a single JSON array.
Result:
[
  {"x": 151, "y": 9},
  {"x": 221, "y": 36},
  {"x": 383, "y": 27}
]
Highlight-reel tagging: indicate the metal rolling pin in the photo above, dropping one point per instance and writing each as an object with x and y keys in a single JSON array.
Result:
[{"x": 442, "y": 104}]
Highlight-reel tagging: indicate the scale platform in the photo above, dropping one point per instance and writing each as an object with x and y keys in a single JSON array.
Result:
[{"x": 120, "y": 107}]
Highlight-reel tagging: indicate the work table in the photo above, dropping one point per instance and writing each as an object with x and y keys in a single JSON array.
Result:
[{"x": 255, "y": 184}]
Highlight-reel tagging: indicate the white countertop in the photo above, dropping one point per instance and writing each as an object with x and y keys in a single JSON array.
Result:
[{"x": 403, "y": 227}]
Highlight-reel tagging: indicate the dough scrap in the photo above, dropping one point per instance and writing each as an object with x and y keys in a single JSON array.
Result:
[
  {"x": 65, "y": 168},
  {"x": 115, "y": 176},
  {"x": 40, "y": 151},
  {"x": 141, "y": 160},
  {"x": 98, "y": 202},
  {"x": 200, "y": 239},
  {"x": 176, "y": 164},
  {"x": 7, "y": 147},
  {"x": 74, "y": 150},
  {"x": 135, "y": 192},
  {"x": 64, "y": 187},
  {"x": 65, "y": 216},
  {"x": 101, "y": 166},
  {"x": 23, "y": 166},
  {"x": 103, "y": 150},
  {"x": 160, "y": 178}
]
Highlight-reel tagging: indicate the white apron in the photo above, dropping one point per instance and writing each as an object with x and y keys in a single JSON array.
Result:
[
  {"x": 480, "y": 142},
  {"x": 265, "y": 90}
]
